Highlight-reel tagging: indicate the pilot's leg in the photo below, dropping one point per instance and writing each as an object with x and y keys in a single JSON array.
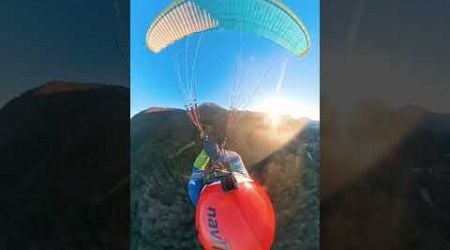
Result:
[{"x": 195, "y": 185}]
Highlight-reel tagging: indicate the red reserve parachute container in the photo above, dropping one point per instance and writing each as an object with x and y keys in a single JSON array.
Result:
[{"x": 240, "y": 219}]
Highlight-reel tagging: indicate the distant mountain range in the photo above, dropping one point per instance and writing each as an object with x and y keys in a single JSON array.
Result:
[
  {"x": 283, "y": 158},
  {"x": 65, "y": 168}
]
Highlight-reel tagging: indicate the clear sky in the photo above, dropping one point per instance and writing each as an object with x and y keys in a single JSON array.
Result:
[{"x": 153, "y": 76}]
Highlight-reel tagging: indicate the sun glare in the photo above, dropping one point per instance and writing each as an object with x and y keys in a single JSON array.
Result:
[{"x": 277, "y": 107}]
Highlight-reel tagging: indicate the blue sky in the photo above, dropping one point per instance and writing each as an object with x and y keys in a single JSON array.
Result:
[{"x": 154, "y": 77}]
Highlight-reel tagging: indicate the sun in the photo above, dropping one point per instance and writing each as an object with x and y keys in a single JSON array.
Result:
[{"x": 276, "y": 107}]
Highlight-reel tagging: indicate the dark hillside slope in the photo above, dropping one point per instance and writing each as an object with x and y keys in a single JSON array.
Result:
[
  {"x": 64, "y": 152},
  {"x": 402, "y": 200}
]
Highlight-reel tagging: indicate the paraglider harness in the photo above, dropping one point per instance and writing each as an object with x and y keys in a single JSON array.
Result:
[{"x": 217, "y": 171}]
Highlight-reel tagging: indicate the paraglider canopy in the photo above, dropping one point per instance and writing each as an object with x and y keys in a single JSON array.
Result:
[
  {"x": 184, "y": 18},
  {"x": 266, "y": 18},
  {"x": 237, "y": 219}
]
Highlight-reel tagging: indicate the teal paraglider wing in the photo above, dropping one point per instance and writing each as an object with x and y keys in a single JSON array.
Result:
[{"x": 267, "y": 18}]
